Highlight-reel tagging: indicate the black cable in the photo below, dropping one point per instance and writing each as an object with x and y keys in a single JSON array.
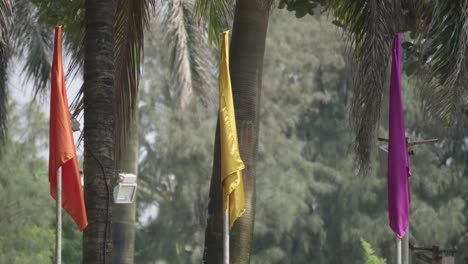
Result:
[{"x": 104, "y": 246}]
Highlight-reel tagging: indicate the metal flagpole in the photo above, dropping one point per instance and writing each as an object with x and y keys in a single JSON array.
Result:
[
  {"x": 226, "y": 233},
  {"x": 405, "y": 248},
  {"x": 58, "y": 233},
  {"x": 398, "y": 251}
]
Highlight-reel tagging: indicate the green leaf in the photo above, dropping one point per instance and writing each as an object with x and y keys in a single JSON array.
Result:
[
  {"x": 412, "y": 67},
  {"x": 301, "y": 12},
  {"x": 282, "y": 5},
  {"x": 406, "y": 45},
  {"x": 337, "y": 23}
]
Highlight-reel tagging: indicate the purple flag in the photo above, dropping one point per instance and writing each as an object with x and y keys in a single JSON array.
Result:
[{"x": 398, "y": 164}]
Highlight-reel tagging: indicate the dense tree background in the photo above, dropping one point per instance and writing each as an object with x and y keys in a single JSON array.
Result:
[{"x": 312, "y": 207}]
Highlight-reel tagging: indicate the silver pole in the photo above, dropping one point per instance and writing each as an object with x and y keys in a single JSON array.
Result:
[
  {"x": 405, "y": 248},
  {"x": 226, "y": 233},
  {"x": 58, "y": 233},
  {"x": 398, "y": 251}
]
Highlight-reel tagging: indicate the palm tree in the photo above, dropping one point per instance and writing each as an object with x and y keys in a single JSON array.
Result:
[
  {"x": 16, "y": 18},
  {"x": 439, "y": 33},
  {"x": 191, "y": 60},
  {"x": 191, "y": 75},
  {"x": 362, "y": 32},
  {"x": 368, "y": 26},
  {"x": 99, "y": 128},
  {"x": 132, "y": 17},
  {"x": 247, "y": 50},
  {"x": 5, "y": 20},
  {"x": 123, "y": 215},
  {"x": 26, "y": 35},
  {"x": 32, "y": 37}
]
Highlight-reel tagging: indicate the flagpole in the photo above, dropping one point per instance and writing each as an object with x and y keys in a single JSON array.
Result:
[
  {"x": 226, "y": 233},
  {"x": 58, "y": 233},
  {"x": 398, "y": 251},
  {"x": 405, "y": 248}
]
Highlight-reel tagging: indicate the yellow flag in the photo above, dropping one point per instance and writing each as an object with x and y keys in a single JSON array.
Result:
[{"x": 231, "y": 163}]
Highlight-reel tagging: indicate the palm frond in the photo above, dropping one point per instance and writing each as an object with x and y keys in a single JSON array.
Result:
[
  {"x": 369, "y": 27},
  {"x": 33, "y": 41},
  {"x": 217, "y": 14},
  {"x": 445, "y": 51},
  {"x": 130, "y": 21},
  {"x": 6, "y": 7},
  {"x": 191, "y": 61},
  {"x": 5, "y": 22},
  {"x": 74, "y": 31},
  {"x": 38, "y": 65},
  {"x": 31, "y": 33}
]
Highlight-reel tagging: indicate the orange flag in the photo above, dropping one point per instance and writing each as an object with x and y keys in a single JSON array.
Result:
[{"x": 62, "y": 152}]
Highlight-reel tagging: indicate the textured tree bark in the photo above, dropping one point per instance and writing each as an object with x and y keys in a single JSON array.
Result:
[
  {"x": 213, "y": 252},
  {"x": 99, "y": 135},
  {"x": 247, "y": 51},
  {"x": 3, "y": 91},
  {"x": 246, "y": 65},
  {"x": 4, "y": 59},
  {"x": 123, "y": 215}
]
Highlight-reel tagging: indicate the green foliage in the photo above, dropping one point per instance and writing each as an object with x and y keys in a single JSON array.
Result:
[
  {"x": 438, "y": 32},
  {"x": 175, "y": 172},
  {"x": 216, "y": 14},
  {"x": 301, "y": 7},
  {"x": 370, "y": 256},
  {"x": 27, "y": 213},
  {"x": 296, "y": 165},
  {"x": 175, "y": 165},
  {"x": 71, "y": 241},
  {"x": 443, "y": 58},
  {"x": 69, "y": 13},
  {"x": 31, "y": 36},
  {"x": 310, "y": 203},
  {"x": 27, "y": 221}
]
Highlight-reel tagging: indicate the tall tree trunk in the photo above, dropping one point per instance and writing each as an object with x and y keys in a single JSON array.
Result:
[
  {"x": 3, "y": 90},
  {"x": 213, "y": 252},
  {"x": 123, "y": 215},
  {"x": 99, "y": 135},
  {"x": 5, "y": 24},
  {"x": 246, "y": 66}
]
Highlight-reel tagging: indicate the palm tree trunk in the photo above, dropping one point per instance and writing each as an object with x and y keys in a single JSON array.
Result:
[
  {"x": 213, "y": 252},
  {"x": 3, "y": 91},
  {"x": 5, "y": 23},
  {"x": 123, "y": 215},
  {"x": 99, "y": 135},
  {"x": 246, "y": 66}
]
